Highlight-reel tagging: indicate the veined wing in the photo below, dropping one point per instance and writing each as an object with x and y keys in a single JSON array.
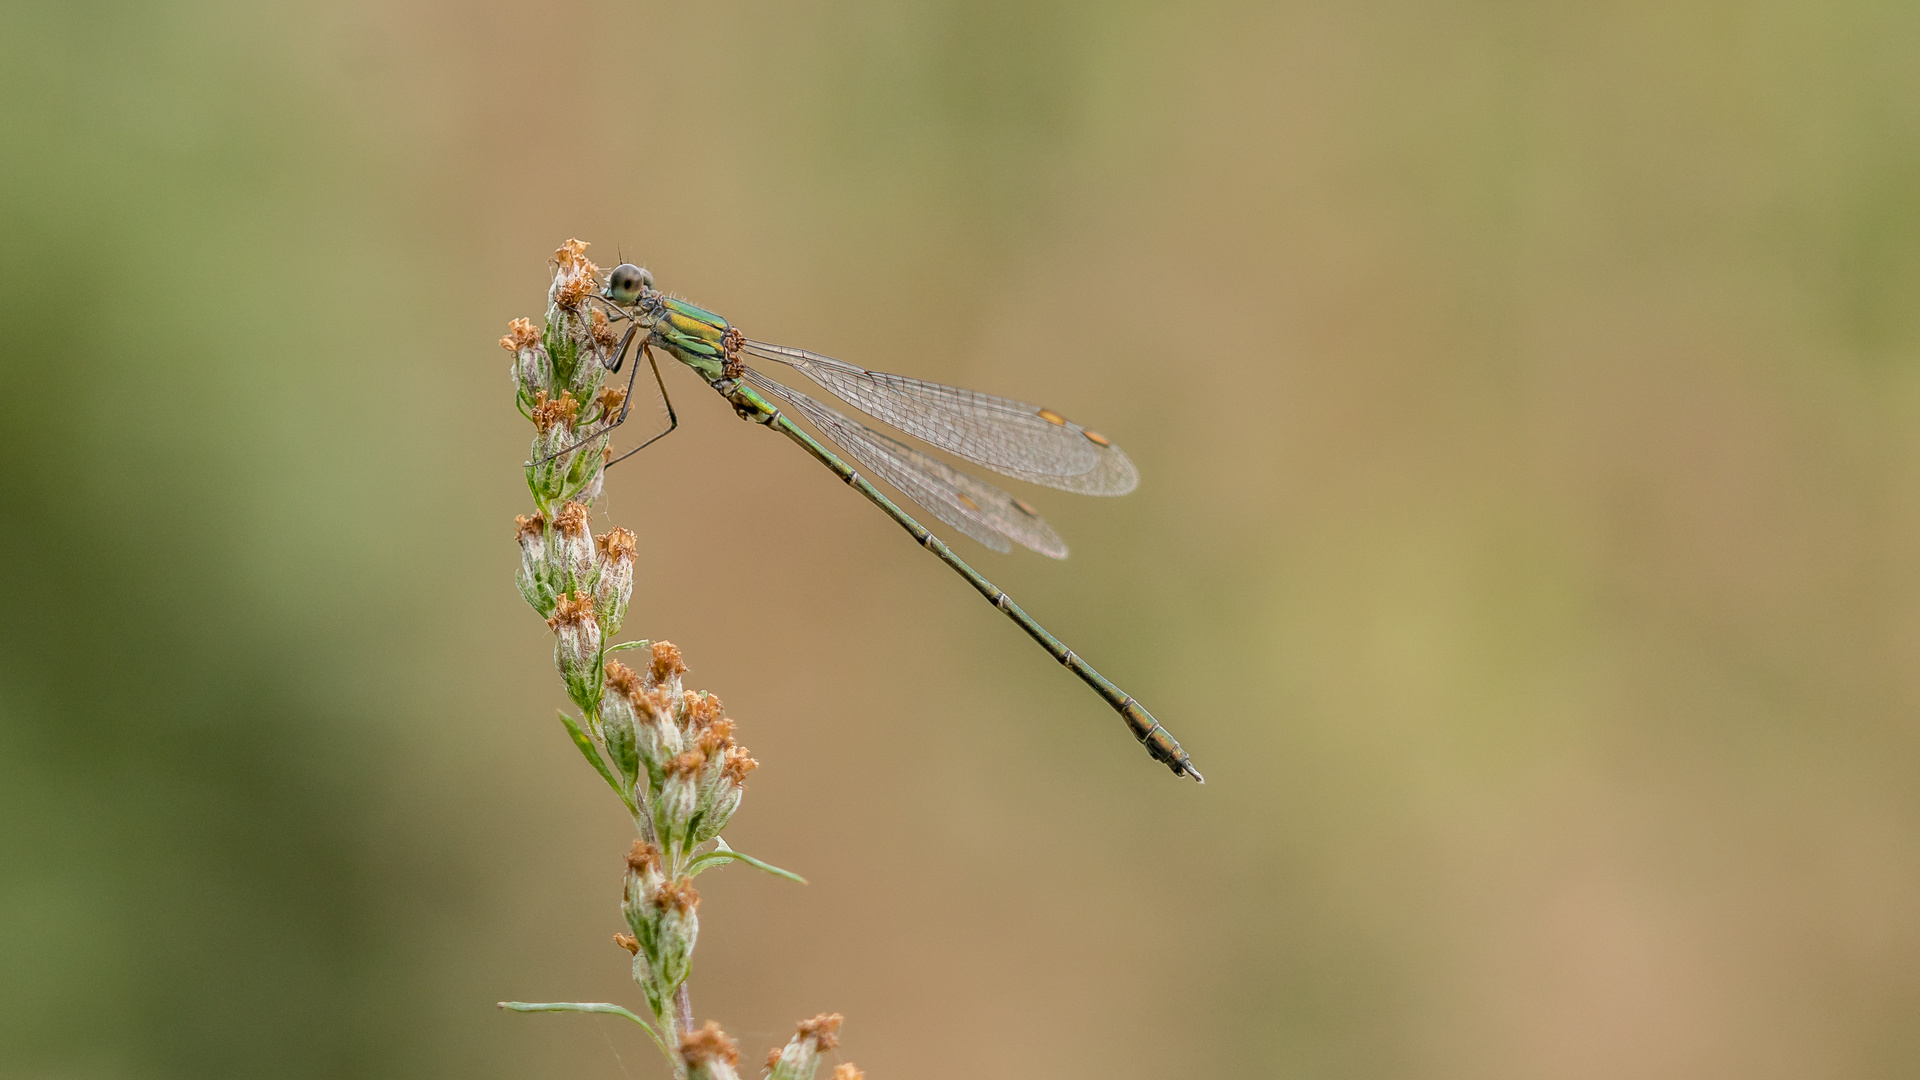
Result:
[
  {"x": 976, "y": 508},
  {"x": 1011, "y": 437}
]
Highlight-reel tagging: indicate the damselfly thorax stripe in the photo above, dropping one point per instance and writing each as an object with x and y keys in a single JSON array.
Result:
[{"x": 1014, "y": 438}]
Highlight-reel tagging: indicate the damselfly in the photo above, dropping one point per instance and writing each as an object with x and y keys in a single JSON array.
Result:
[{"x": 1016, "y": 439}]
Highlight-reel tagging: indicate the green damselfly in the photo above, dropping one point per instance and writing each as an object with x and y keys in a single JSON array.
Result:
[{"x": 1014, "y": 438}]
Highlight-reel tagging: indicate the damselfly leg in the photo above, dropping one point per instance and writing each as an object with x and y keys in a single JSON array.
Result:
[{"x": 626, "y": 402}]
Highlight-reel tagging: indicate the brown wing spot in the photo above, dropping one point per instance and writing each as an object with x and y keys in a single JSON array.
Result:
[
  {"x": 969, "y": 503},
  {"x": 1021, "y": 505},
  {"x": 1052, "y": 417},
  {"x": 1096, "y": 438}
]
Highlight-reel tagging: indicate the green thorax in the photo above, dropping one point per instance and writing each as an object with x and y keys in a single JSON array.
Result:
[{"x": 695, "y": 336}]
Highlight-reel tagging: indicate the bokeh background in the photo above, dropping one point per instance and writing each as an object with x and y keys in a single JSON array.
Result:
[{"x": 1528, "y": 550}]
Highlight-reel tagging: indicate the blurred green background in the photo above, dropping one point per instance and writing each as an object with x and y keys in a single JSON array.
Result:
[{"x": 1528, "y": 549}]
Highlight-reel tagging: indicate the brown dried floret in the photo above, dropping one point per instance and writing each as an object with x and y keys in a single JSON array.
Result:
[
  {"x": 686, "y": 766},
  {"x": 643, "y": 856},
  {"x": 622, "y": 679},
  {"x": 679, "y": 895},
  {"x": 601, "y": 330},
  {"x": 526, "y": 527},
  {"x": 575, "y": 610},
  {"x": 610, "y": 401},
  {"x": 824, "y": 1030},
  {"x": 573, "y": 289},
  {"x": 571, "y": 520},
  {"x": 738, "y": 764},
  {"x": 708, "y": 1044},
  {"x": 572, "y": 255},
  {"x": 705, "y": 710},
  {"x": 666, "y": 661},
  {"x": 628, "y": 943},
  {"x": 520, "y": 335},
  {"x": 548, "y": 413},
  {"x": 716, "y": 739},
  {"x": 846, "y": 1071},
  {"x": 617, "y": 544},
  {"x": 655, "y": 705}
]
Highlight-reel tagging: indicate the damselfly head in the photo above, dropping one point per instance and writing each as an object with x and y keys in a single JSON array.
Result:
[{"x": 625, "y": 283}]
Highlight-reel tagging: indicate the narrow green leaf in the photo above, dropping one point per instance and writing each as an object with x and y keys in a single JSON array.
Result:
[
  {"x": 629, "y": 645},
  {"x": 581, "y": 1007},
  {"x": 592, "y": 754},
  {"x": 724, "y": 854}
]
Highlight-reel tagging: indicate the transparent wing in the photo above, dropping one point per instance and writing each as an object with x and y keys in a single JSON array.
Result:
[
  {"x": 1011, "y": 437},
  {"x": 976, "y": 508}
]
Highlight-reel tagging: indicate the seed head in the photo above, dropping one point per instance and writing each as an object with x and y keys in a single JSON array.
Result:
[{"x": 627, "y": 942}]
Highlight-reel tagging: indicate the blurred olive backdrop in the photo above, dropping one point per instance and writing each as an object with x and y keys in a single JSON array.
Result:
[{"x": 1528, "y": 550}]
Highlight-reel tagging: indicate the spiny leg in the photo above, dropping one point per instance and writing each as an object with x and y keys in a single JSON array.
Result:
[
  {"x": 619, "y": 357},
  {"x": 673, "y": 420}
]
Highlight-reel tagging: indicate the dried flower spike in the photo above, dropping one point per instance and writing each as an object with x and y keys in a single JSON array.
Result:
[{"x": 669, "y": 752}]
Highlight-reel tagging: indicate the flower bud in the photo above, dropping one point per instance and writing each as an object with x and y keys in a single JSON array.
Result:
[
  {"x": 620, "y": 720},
  {"x": 678, "y": 798},
  {"x": 570, "y": 552},
  {"x": 532, "y": 370},
  {"x": 532, "y": 575},
  {"x": 657, "y": 734},
  {"x": 644, "y": 879},
  {"x": 576, "y": 643},
  {"x": 613, "y": 585},
  {"x": 666, "y": 670},
  {"x": 708, "y": 1054},
  {"x": 678, "y": 926},
  {"x": 553, "y": 432},
  {"x": 721, "y": 792},
  {"x": 574, "y": 277},
  {"x": 801, "y": 1056}
]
